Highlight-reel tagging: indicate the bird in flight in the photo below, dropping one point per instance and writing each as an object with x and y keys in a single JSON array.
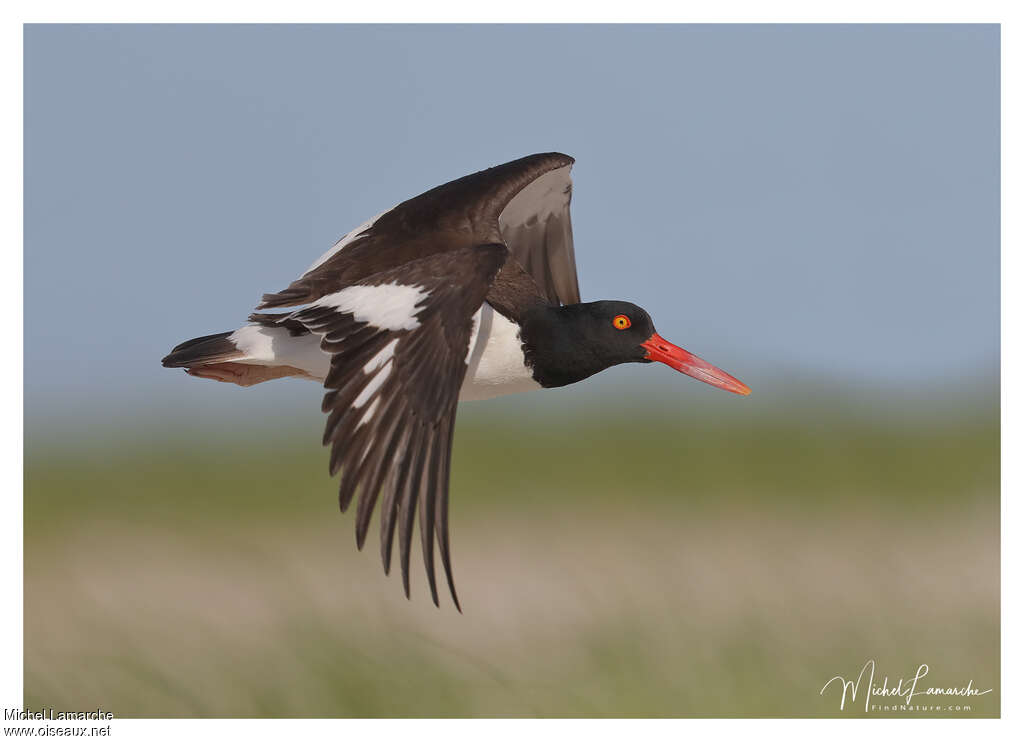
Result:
[{"x": 465, "y": 292}]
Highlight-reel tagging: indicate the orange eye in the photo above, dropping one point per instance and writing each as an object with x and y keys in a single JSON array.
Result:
[{"x": 621, "y": 322}]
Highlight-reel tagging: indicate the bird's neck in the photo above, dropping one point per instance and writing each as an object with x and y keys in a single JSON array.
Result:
[{"x": 553, "y": 348}]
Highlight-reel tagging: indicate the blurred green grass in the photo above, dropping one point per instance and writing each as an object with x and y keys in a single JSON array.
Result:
[
  {"x": 609, "y": 565},
  {"x": 594, "y": 457}
]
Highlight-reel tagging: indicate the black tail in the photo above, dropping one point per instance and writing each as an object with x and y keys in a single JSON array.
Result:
[{"x": 197, "y": 351}]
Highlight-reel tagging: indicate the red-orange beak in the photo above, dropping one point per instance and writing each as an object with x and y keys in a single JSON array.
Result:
[{"x": 660, "y": 349}]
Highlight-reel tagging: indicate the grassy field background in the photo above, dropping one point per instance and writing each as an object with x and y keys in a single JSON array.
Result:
[{"x": 610, "y": 561}]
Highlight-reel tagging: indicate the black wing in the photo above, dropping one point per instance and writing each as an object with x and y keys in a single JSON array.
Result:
[
  {"x": 399, "y": 341},
  {"x": 523, "y": 203},
  {"x": 537, "y": 229}
]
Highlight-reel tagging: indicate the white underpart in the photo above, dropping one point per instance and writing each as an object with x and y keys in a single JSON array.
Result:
[
  {"x": 389, "y": 306},
  {"x": 495, "y": 361},
  {"x": 275, "y": 346},
  {"x": 346, "y": 240}
]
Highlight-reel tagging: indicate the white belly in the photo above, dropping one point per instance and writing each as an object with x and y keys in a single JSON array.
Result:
[{"x": 495, "y": 363}]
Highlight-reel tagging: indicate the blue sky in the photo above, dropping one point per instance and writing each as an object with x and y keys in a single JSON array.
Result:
[{"x": 817, "y": 202}]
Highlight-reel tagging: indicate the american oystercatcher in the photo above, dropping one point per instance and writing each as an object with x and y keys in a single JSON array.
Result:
[{"x": 468, "y": 291}]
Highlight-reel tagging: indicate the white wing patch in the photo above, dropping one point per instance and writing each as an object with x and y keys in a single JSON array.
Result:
[
  {"x": 380, "y": 365},
  {"x": 389, "y": 306},
  {"x": 375, "y": 383},
  {"x": 346, "y": 241},
  {"x": 386, "y": 354},
  {"x": 368, "y": 415}
]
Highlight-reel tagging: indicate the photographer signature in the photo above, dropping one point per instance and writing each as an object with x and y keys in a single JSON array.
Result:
[{"x": 904, "y": 687}]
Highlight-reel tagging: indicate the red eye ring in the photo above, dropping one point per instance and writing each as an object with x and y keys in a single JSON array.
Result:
[{"x": 621, "y": 322}]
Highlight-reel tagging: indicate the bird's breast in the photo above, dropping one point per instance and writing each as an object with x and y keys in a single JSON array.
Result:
[{"x": 495, "y": 362}]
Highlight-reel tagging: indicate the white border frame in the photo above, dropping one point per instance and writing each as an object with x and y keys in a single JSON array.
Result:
[{"x": 747, "y": 11}]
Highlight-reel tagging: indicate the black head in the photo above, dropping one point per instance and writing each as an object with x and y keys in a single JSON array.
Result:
[{"x": 567, "y": 344}]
